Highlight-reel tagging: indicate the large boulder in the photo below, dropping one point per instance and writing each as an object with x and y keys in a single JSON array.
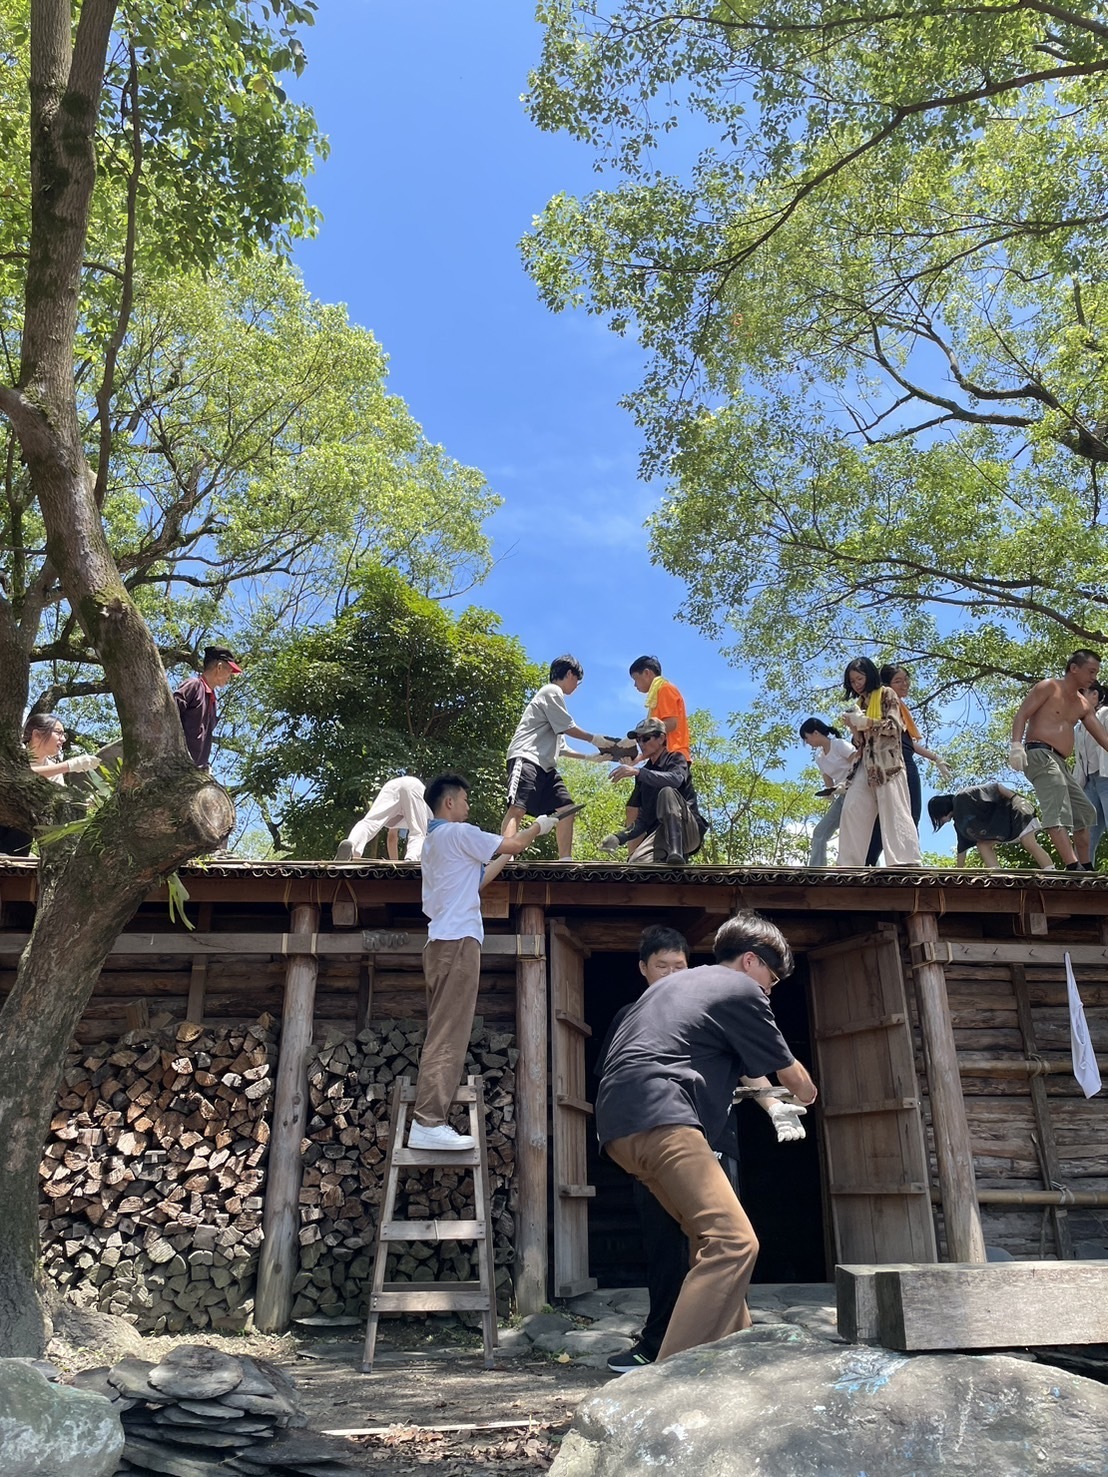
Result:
[
  {"x": 776, "y": 1402},
  {"x": 50, "y": 1430}
]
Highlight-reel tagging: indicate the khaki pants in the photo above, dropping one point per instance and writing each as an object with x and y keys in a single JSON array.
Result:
[
  {"x": 677, "y": 1166},
  {"x": 890, "y": 804},
  {"x": 452, "y": 971}
]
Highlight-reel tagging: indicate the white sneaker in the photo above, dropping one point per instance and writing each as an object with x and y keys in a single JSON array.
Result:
[{"x": 439, "y": 1136}]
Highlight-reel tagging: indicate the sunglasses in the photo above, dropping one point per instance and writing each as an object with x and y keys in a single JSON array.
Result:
[{"x": 775, "y": 978}]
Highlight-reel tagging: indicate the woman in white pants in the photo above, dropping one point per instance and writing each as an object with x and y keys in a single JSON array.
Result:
[
  {"x": 399, "y": 804},
  {"x": 835, "y": 758},
  {"x": 879, "y": 789}
]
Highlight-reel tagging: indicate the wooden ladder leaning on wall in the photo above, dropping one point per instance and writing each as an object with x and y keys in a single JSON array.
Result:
[{"x": 434, "y": 1297}]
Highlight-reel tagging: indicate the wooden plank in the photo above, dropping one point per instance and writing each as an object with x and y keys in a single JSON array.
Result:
[
  {"x": 574, "y": 1022},
  {"x": 531, "y": 1264},
  {"x": 951, "y": 951},
  {"x": 951, "y": 1306},
  {"x": 965, "y": 1239},
  {"x": 198, "y": 978},
  {"x": 441, "y": 1230},
  {"x": 886, "y": 1105},
  {"x": 859, "y": 1028},
  {"x": 575, "y": 1104},
  {"x": 1044, "y": 1136},
  {"x": 428, "y": 1297},
  {"x": 279, "y": 1259},
  {"x": 363, "y": 1010},
  {"x": 577, "y": 1192},
  {"x": 856, "y": 1300},
  {"x": 907, "y": 1188}
]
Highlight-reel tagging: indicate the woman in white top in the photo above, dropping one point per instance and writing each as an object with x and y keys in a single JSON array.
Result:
[
  {"x": 835, "y": 758},
  {"x": 44, "y": 740},
  {"x": 1090, "y": 772}
]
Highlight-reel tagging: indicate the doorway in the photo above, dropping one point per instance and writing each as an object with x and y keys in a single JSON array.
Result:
[{"x": 780, "y": 1184}]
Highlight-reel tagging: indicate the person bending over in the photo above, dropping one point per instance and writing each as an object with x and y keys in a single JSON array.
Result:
[{"x": 985, "y": 815}]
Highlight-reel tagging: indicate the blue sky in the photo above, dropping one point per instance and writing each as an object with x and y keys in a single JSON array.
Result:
[{"x": 434, "y": 175}]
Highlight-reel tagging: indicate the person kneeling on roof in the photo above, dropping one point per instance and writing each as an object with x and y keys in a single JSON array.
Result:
[{"x": 667, "y": 817}]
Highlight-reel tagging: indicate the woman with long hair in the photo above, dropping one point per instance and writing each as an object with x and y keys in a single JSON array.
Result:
[
  {"x": 835, "y": 758},
  {"x": 879, "y": 789},
  {"x": 899, "y": 679}
]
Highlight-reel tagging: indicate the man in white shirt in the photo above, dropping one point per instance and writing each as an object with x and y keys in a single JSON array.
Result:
[
  {"x": 454, "y": 858},
  {"x": 398, "y": 805},
  {"x": 534, "y": 784}
]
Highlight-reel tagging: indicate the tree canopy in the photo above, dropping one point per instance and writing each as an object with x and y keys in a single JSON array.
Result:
[
  {"x": 874, "y": 306},
  {"x": 396, "y": 683}
]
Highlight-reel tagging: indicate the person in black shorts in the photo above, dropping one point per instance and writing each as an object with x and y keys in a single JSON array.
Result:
[{"x": 534, "y": 785}]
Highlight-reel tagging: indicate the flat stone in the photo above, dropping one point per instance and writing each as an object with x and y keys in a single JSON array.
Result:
[
  {"x": 591, "y": 1305},
  {"x": 634, "y": 1301},
  {"x": 537, "y": 1325},
  {"x": 617, "y": 1323},
  {"x": 291, "y": 1453},
  {"x": 129, "y": 1377},
  {"x": 153, "y": 1456},
  {"x": 47, "y": 1429},
  {"x": 513, "y": 1343},
  {"x": 589, "y": 1341},
  {"x": 195, "y": 1372},
  {"x": 776, "y": 1400}
]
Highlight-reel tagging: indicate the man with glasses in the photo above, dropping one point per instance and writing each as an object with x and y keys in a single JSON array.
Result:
[
  {"x": 667, "y": 826},
  {"x": 666, "y": 1088}
]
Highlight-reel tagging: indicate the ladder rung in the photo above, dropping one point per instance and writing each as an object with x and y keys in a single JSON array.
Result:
[
  {"x": 578, "y": 1104},
  {"x": 437, "y": 1158},
  {"x": 429, "y": 1297},
  {"x": 576, "y": 1192},
  {"x": 464, "y": 1094},
  {"x": 442, "y": 1230}
]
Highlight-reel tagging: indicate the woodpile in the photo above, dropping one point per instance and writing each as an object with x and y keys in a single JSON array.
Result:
[
  {"x": 153, "y": 1175},
  {"x": 349, "y": 1084},
  {"x": 200, "y": 1413}
]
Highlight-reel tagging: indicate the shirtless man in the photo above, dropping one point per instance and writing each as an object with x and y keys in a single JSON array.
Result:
[{"x": 1047, "y": 715}]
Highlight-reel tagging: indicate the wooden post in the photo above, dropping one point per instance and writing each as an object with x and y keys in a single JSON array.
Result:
[
  {"x": 279, "y": 1260},
  {"x": 532, "y": 1091},
  {"x": 363, "y": 1011},
  {"x": 198, "y": 978},
  {"x": 965, "y": 1241}
]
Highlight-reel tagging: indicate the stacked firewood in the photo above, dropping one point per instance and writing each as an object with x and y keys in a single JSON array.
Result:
[
  {"x": 350, "y": 1084},
  {"x": 153, "y": 1175},
  {"x": 200, "y": 1413}
]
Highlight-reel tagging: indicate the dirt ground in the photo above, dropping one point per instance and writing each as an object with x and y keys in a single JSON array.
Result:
[{"x": 425, "y": 1375}]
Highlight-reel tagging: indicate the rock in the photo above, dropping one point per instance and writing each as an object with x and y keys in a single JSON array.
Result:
[
  {"x": 47, "y": 1429},
  {"x": 85, "y": 1328},
  {"x": 513, "y": 1343},
  {"x": 635, "y": 1302},
  {"x": 195, "y": 1372},
  {"x": 539, "y": 1324},
  {"x": 591, "y": 1305},
  {"x": 130, "y": 1378},
  {"x": 776, "y": 1400},
  {"x": 617, "y": 1323},
  {"x": 590, "y": 1341}
]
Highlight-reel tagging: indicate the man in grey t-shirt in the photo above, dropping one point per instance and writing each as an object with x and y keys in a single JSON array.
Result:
[
  {"x": 534, "y": 785},
  {"x": 665, "y": 1092}
]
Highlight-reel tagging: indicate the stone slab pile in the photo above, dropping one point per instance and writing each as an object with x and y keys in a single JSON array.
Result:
[
  {"x": 201, "y": 1413},
  {"x": 349, "y": 1084},
  {"x": 153, "y": 1175}
]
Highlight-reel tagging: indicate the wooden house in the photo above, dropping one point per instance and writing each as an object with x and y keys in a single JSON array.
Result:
[{"x": 930, "y": 1005}]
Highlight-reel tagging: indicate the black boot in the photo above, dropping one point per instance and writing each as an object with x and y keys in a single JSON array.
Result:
[{"x": 673, "y": 833}]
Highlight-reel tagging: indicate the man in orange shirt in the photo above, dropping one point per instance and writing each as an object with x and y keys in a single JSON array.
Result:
[{"x": 663, "y": 701}]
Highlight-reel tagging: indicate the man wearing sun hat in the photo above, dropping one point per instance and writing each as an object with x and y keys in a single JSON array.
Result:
[
  {"x": 195, "y": 699},
  {"x": 668, "y": 826}
]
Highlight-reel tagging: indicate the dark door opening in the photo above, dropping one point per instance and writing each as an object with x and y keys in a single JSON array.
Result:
[{"x": 779, "y": 1184}]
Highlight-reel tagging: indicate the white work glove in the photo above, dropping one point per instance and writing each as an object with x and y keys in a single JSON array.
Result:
[
  {"x": 945, "y": 771},
  {"x": 786, "y": 1120},
  {"x": 82, "y": 763},
  {"x": 600, "y": 741},
  {"x": 546, "y": 823},
  {"x": 610, "y": 843},
  {"x": 1017, "y": 756}
]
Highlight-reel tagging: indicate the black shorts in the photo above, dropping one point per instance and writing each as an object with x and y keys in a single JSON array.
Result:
[{"x": 535, "y": 791}]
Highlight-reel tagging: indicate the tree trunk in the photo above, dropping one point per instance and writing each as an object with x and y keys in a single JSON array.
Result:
[{"x": 86, "y": 899}]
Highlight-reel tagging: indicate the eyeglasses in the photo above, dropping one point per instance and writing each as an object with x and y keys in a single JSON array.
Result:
[{"x": 774, "y": 977}]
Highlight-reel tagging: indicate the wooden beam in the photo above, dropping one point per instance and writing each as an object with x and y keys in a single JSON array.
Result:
[
  {"x": 279, "y": 1260},
  {"x": 532, "y": 1262},
  {"x": 939, "y": 1306},
  {"x": 352, "y": 944},
  {"x": 198, "y": 979},
  {"x": 363, "y": 1011},
  {"x": 856, "y": 1299},
  {"x": 965, "y": 1241},
  {"x": 956, "y": 951}
]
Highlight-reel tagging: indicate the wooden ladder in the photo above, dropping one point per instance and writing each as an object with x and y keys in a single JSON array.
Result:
[{"x": 434, "y": 1297}]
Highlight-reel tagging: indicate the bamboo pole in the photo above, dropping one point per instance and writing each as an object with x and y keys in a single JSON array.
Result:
[
  {"x": 532, "y": 1091},
  {"x": 279, "y": 1260},
  {"x": 1038, "y": 1197},
  {"x": 965, "y": 1241}
]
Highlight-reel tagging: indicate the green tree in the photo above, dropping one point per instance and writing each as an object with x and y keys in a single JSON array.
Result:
[
  {"x": 874, "y": 308},
  {"x": 164, "y": 127},
  {"x": 395, "y": 683}
]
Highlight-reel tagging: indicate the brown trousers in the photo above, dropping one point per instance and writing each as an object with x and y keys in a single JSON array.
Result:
[
  {"x": 677, "y": 1166},
  {"x": 452, "y": 972}
]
